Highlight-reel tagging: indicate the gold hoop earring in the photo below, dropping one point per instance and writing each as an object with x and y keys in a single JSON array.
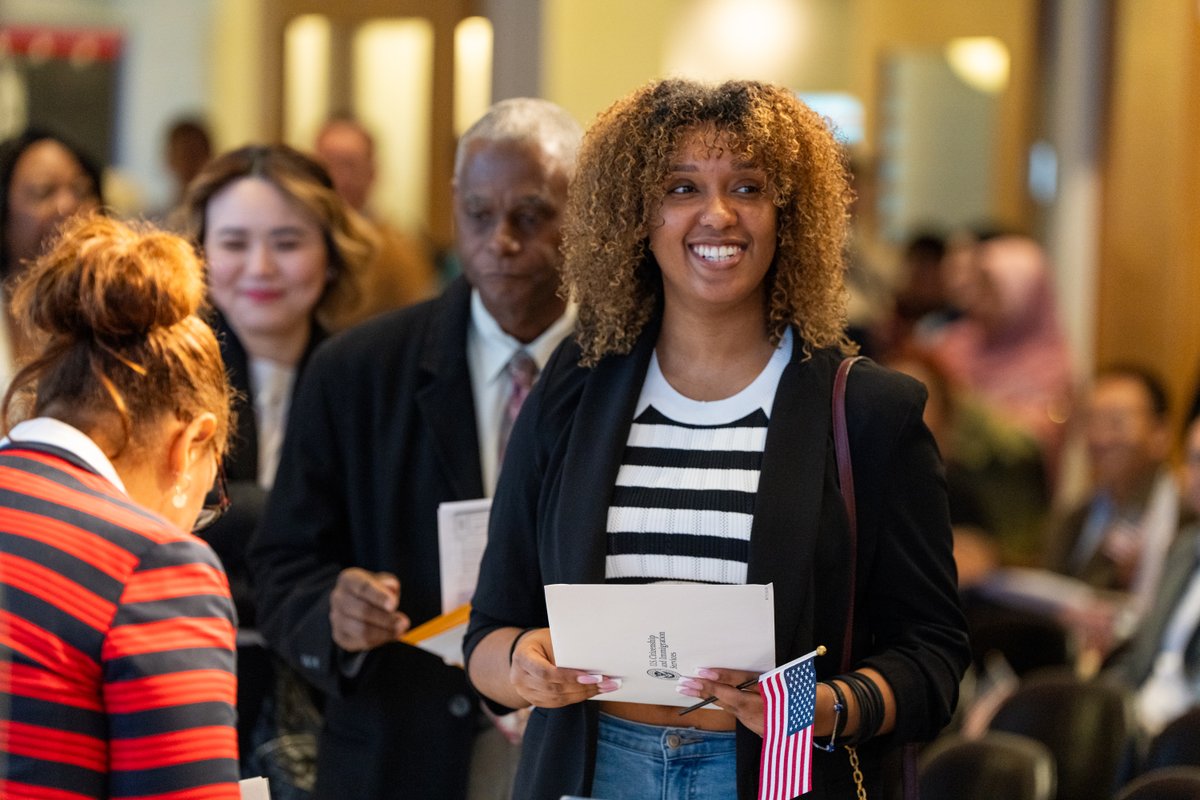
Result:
[{"x": 180, "y": 499}]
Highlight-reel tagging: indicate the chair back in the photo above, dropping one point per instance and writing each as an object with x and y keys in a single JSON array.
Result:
[
  {"x": 1028, "y": 641},
  {"x": 1165, "y": 783},
  {"x": 1177, "y": 745},
  {"x": 1086, "y": 725},
  {"x": 999, "y": 766}
]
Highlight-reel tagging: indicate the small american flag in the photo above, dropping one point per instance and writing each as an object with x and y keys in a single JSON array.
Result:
[{"x": 789, "y": 701}]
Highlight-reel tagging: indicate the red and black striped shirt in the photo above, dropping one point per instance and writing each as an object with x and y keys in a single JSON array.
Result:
[{"x": 116, "y": 643}]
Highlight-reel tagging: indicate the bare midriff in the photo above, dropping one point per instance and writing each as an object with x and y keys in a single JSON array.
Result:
[{"x": 668, "y": 716}]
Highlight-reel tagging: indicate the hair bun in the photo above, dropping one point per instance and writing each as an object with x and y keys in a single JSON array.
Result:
[{"x": 110, "y": 281}]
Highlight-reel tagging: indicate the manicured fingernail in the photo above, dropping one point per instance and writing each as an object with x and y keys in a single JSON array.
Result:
[
  {"x": 690, "y": 683},
  {"x": 609, "y": 685},
  {"x": 687, "y": 691},
  {"x": 707, "y": 674},
  {"x": 587, "y": 680}
]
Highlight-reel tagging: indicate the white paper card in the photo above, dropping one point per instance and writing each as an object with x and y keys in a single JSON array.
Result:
[
  {"x": 447, "y": 646},
  {"x": 443, "y": 635},
  {"x": 254, "y": 789},
  {"x": 649, "y": 635},
  {"x": 462, "y": 537}
]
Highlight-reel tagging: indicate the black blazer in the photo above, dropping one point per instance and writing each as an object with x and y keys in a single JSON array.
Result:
[
  {"x": 382, "y": 430},
  {"x": 548, "y": 523},
  {"x": 231, "y": 534}
]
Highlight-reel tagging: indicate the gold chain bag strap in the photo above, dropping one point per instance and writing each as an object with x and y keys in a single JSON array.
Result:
[{"x": 841, "y": 446}]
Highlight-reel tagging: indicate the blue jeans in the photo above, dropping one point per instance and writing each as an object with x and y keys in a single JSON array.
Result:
[{"x": 635, "y": 761}]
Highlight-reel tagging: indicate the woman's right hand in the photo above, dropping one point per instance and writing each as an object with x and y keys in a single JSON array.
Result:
[{"x": 536, "y": 678}]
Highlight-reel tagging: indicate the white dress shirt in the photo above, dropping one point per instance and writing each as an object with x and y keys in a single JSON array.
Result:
[
  {"x": 1169, "y": 691},
  {"x": 489, "y": 349},
  {"x": 271, "y": 387}
]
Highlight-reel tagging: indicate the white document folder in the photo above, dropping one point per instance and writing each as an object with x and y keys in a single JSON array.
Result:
[
  {"x": 649, "y": 635},
  {"x": 254, "y": 789},
  {"x": 462, "y": 537}
]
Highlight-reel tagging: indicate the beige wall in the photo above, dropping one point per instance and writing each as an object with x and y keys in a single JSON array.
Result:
[
  {"x": 248, "y": 52},
  {"x": 1149, "y": 286},
  {"x": 238, "y": 88},
  {"x": 596, "y": 53},
  {"x": 883, "y": 26}
]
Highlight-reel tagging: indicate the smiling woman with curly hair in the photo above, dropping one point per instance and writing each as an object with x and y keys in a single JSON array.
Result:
[
  {"x": 627, "y": 155},
  {"x": 686, "y": 436}
]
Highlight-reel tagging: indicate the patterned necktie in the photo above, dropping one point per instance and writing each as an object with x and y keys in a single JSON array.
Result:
[{"x": 522, "y": 372}]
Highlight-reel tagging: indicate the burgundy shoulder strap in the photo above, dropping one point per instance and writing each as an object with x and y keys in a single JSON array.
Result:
[{"x": 841, "y": 446}]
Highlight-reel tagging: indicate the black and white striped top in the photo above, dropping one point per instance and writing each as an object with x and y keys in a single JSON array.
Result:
[{"x": 683, "y": 506}]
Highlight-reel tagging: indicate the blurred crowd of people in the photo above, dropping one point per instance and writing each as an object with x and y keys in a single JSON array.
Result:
[{"x": 1100, "y": 584}]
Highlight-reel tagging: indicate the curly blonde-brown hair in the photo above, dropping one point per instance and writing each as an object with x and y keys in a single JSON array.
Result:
[{"x": 615, "y": 195}]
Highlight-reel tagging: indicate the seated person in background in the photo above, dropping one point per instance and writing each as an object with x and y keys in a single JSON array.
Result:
[
  {"x": 996, "y": 481},
  {"x": 1116, "y": 540},
  {"x": 1163, "y": 660},
  {"x": 117, "y": 631},
  {"x": 920, "y": 305},
  {"x": 999, "y": 507},
  {"x": 401, "y": 272},
  {"x": 1008, "y": 347}
]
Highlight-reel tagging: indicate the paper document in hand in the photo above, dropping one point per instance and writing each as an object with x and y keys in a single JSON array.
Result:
[
  {"x": 462, "y": 537},
  {"x": 442, "y": 636},
  {"x": 649, "y": 635},
  {"x": 254, "y": 789}
]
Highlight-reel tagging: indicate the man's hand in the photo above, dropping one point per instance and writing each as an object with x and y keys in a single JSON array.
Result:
[{"x": 362, "y": 610}]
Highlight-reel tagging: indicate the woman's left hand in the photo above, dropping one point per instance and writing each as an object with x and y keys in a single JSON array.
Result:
[{"x": 745, "y": 704}]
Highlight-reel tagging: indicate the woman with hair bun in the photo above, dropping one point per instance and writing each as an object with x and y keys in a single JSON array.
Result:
[
  {"x": 117, "y": 628},
  {"x": 686, "y": 435},
  {"x": 283, "y": 251}
]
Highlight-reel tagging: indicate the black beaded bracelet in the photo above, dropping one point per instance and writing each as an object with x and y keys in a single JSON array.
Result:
[
  {"x": 877, "y": 701},
  {"x": 863, "y": 703},
  {"x": 839, "y": 718},
  {"x": 513, "y": 647},
  {"x": 867, "y": 711},
  {"x": 870, "y": 705}
]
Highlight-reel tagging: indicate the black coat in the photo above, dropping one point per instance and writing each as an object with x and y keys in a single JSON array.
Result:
[
  {"x": 382, "y": 430},
  {"x": 548, "y": 523},
  {"x": 230, "y": 535}
]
